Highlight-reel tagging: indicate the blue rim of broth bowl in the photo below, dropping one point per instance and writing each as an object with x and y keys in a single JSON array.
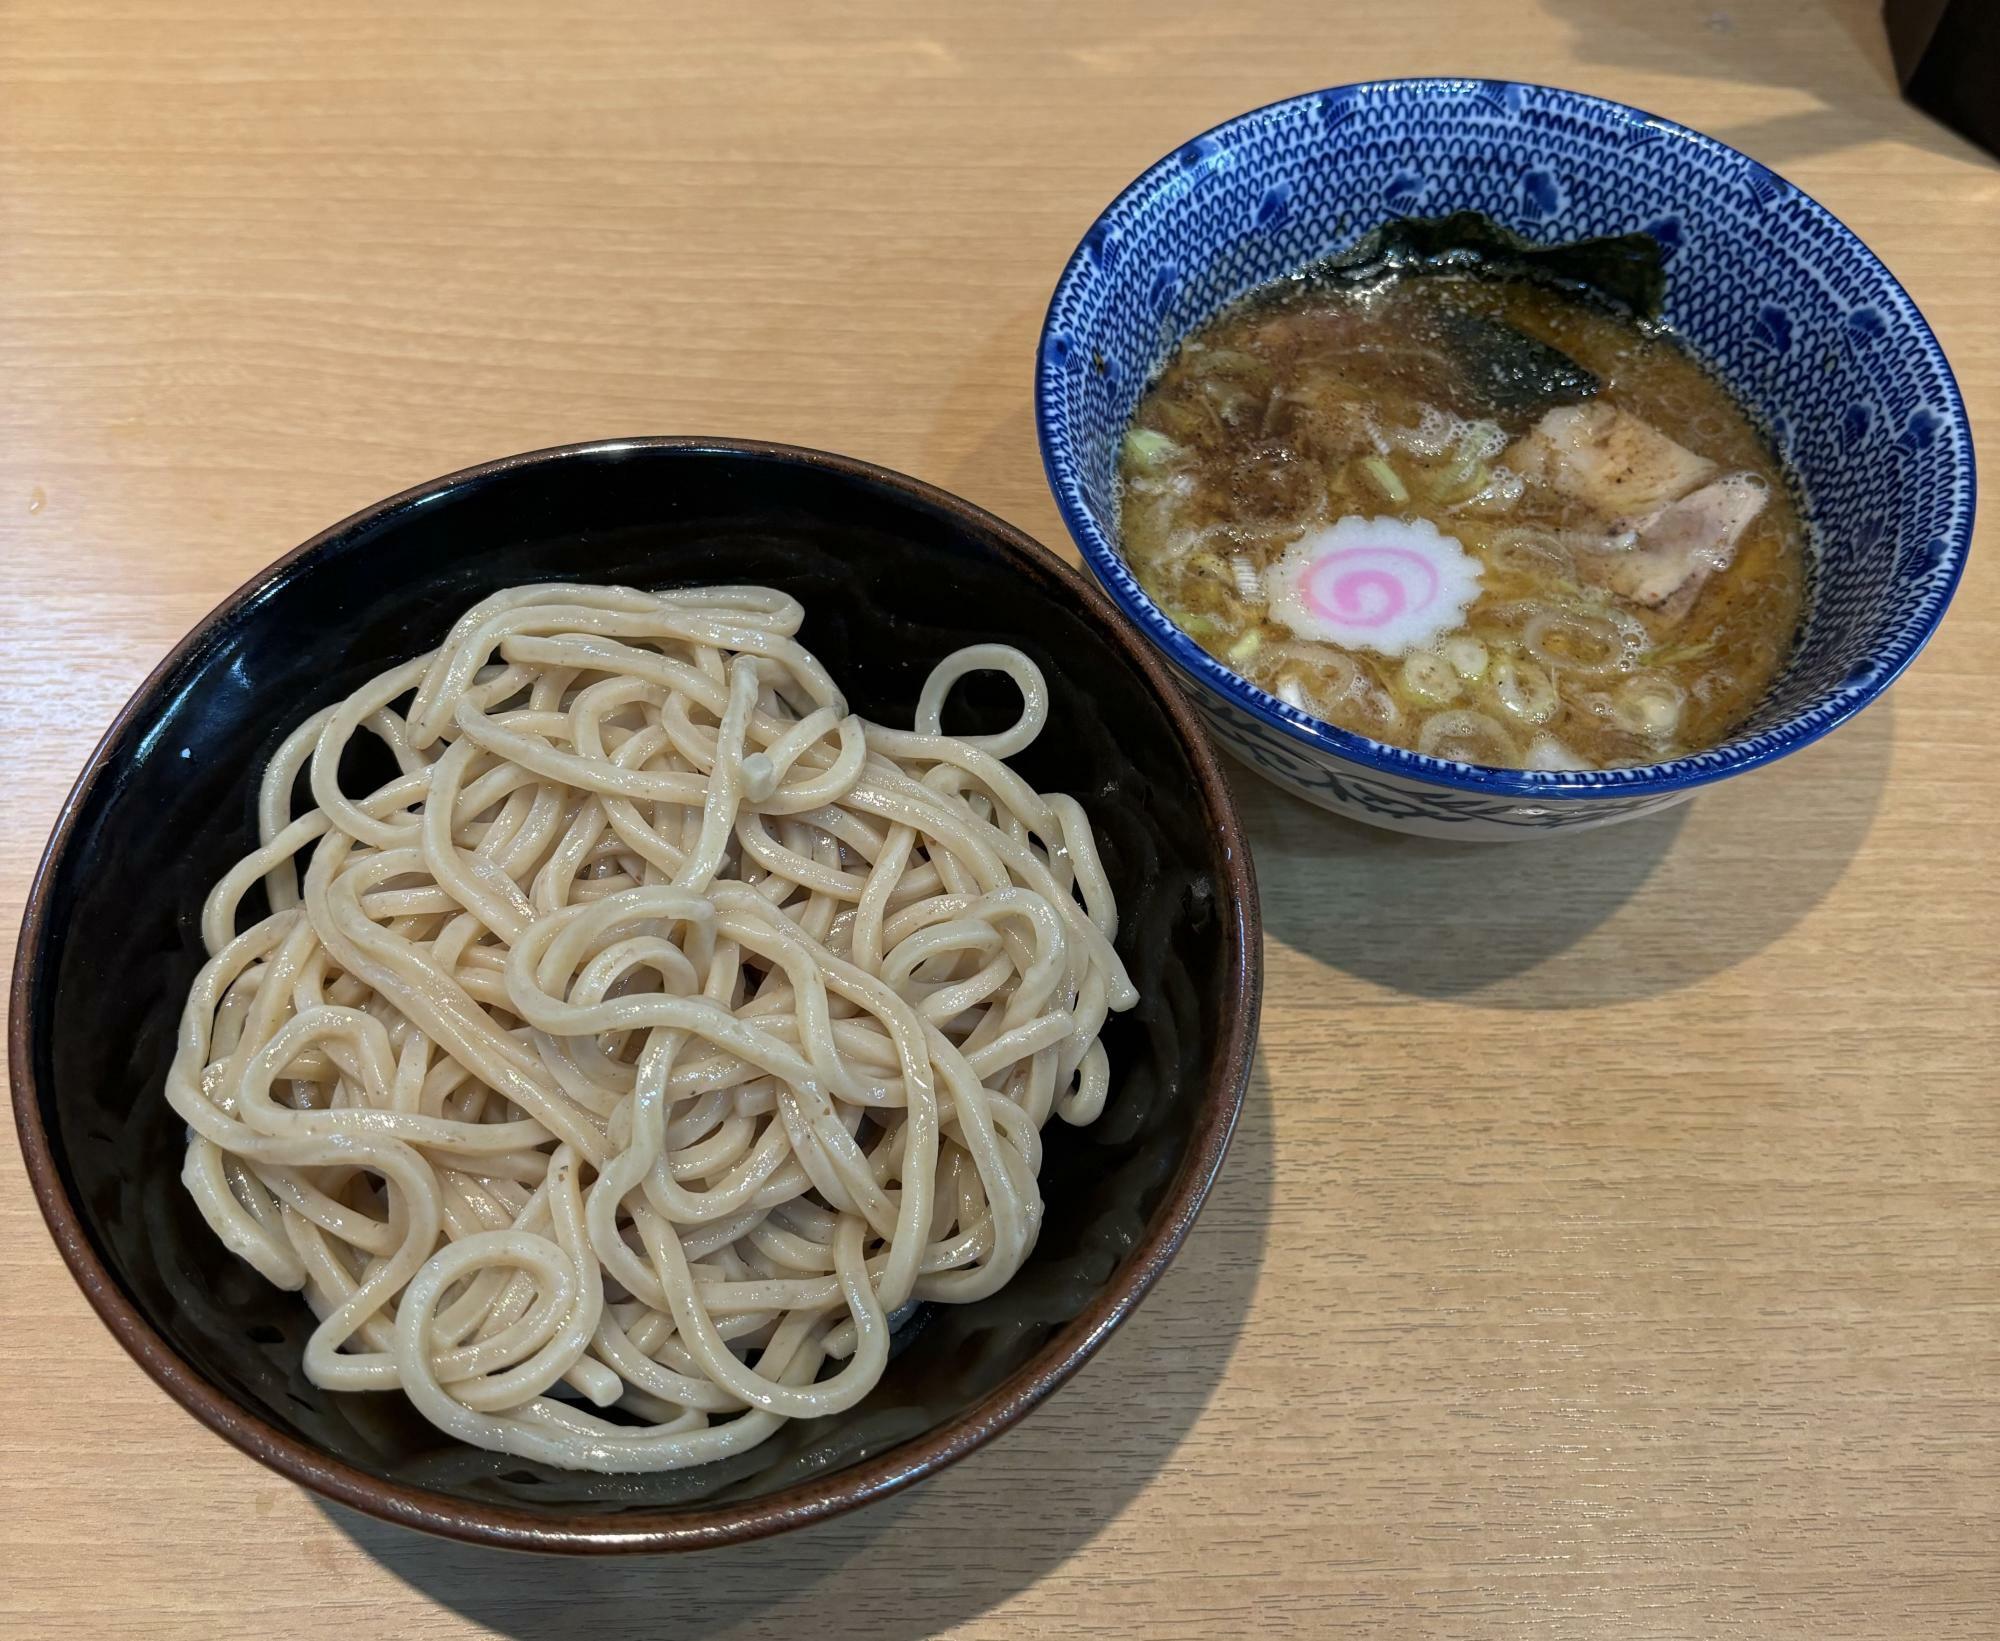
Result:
[{"x": 1697, "y": 769}]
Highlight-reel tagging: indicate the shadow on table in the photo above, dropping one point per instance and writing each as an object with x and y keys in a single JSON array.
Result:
[
  {"x": 1573, "y": 920},
  {"x": 948, "y": 1549},
  {"x": 1717, "y": 39}
]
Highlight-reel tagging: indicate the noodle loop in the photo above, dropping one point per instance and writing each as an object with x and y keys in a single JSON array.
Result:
[{"x": 611, "y": 1076}]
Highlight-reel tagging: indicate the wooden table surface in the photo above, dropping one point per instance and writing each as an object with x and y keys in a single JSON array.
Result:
[{"x": 1611, "y": 1245}]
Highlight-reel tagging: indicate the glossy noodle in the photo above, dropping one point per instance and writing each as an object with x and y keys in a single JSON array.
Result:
[{"x": 611, "y": 1077}]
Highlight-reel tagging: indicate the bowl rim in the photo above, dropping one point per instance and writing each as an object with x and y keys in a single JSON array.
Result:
[
  {"x": 1682, "y": 774},
  {"x": 703, "y": 1525}
]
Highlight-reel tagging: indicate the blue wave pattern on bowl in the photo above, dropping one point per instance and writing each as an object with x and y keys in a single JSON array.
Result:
[{"x": 1794, "y": 313}]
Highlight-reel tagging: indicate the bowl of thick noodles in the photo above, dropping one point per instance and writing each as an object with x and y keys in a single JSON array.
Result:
[
  {"x": 636, "y": 996},
  {"x": 1490, "y": 459}
]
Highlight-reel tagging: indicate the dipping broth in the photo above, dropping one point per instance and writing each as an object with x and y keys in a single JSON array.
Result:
[{"x": 1485, "y": 519}]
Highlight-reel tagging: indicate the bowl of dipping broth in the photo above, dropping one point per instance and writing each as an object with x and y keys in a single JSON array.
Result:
[{"x": 1490, "y": 459}]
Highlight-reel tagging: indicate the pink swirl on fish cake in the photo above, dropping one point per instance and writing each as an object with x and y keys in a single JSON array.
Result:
[
  {"x": 1369, "y": 586},
  {"x": 1387, "y": 585}
]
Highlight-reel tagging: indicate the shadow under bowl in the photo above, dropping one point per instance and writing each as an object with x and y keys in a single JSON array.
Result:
[{"x": 894, "y": 576}]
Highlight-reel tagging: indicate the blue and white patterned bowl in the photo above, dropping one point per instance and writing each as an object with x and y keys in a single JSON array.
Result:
[{"x": 1796, "y": 315}]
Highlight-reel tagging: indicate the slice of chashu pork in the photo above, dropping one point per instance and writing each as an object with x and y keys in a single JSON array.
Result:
[{"x": 1673, "y": 522}]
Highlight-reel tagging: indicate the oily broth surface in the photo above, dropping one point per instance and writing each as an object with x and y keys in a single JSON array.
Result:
[{"x": 1276, "y": 406}]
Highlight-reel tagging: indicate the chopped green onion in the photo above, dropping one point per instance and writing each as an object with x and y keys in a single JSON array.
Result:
[
  {"x": 1524, "y": 691},
  {"x": 1454, "y": 486},
  {"x": 1467, "y": 656},
  {"x": 1430, "y": 678},
  {"x": 1149, "y": 450},
  {"x": 1245, "y": 647},
  {"x": 1650, "y": 706},
  {"x": 1387, "y": 479},
  {"x": 1465, "y": 477},
  {"x": 1483, "y": 439},
  {"x": 1194, "y": 625},
  {"x": 1546, "y": 752},
  {"x": 1498, "y": 493}
]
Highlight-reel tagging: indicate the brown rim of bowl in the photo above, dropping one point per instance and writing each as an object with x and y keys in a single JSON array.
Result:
[{"x": 842, "y": 1490}]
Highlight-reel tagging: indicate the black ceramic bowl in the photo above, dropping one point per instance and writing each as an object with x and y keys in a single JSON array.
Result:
[{"x": 895, "y": 575}]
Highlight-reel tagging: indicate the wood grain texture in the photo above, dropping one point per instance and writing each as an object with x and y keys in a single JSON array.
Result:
[{"x": 1620, "y": 1256}]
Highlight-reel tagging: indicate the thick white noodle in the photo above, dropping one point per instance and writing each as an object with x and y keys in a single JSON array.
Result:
[{"x": 653, "y": 1036}]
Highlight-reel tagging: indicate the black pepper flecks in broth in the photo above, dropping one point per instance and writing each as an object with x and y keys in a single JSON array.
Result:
[{"x": 1481, "y": 518}]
